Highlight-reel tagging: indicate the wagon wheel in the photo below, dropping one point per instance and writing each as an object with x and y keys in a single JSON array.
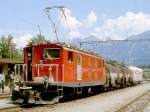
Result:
[
  {"x": 108, "y": 85},
  {"x": 122, "y": 82},
  {"x": 125, "y": 82}
]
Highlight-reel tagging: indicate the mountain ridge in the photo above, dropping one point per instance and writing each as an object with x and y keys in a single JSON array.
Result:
[{"x": 129, "y": 52}]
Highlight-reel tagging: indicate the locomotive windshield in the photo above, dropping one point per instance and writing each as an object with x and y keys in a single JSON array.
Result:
[{"x": 52, "y": 53}]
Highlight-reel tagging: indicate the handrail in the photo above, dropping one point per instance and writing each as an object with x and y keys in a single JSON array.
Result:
[
  {"x": 50, "y": 70},
  {"x": 17, "y": 69}
]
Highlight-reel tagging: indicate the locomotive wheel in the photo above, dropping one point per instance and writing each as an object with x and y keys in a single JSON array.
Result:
[
  {"x": 26, "y": 97},
  {"x": 48, "y": 96},
  {"x": 85, "y": 92},
  {"x": 16, "y": 95},
  {"x": 90, "y": 91}
]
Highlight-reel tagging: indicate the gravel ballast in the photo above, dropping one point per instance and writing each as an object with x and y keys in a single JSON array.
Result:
[{"x": 105, "y": 102}]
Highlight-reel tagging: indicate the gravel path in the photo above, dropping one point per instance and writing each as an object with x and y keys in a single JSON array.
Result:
[{"x": 105, "y": 102}]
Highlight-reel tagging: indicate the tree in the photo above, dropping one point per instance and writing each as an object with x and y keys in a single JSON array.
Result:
[
  {"x": 116, "y": 63},
  {"x": 8, "y": 48},
  {"x": 39, "y": 39},
  {"x": 5, "y": 46}
]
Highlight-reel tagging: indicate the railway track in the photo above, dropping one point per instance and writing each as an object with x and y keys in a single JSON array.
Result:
[
  {"x": 133, "y": 101},
  {"x": 16, "y": 108},
  {"x": 5, "y": 95},
  {"x": 10, "y": 108}
]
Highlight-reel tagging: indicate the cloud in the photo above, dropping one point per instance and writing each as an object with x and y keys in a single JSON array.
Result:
[
  {"x": 123, "y": 26},
  {"x": 118, "y": 28},
  {"x": 91, "y": 19},
  {"x": 22, "y": 40},
  {"x": 73, "y": 23}
]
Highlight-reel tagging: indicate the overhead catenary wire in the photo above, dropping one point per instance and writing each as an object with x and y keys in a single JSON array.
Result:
[
  {"x": 113, "y": 41},
  {"x": 132, "y": 59}
]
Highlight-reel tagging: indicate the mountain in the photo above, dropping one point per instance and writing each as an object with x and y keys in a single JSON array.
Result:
[
  {"x": 144, "y": 35},
  {"x": 135, "y": 51}
]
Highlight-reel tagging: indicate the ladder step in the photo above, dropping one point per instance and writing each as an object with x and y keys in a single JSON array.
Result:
[
  {"x": 60, "y": 97},
  {"x": 60, "y": 91}
]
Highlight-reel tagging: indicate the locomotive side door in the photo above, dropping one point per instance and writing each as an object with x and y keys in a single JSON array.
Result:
[
  {"x": 79, "y": 67},
  {"x": 29, "y": 63}
]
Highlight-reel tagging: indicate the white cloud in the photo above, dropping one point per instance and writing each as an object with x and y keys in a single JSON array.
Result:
[
  {"x": 74, "y": 34},
  {"x": 22, "y": 40},
  {"x": 73, "y": 24},
  {"x": 91, "y": 19},
  {"x": 123, "y": 26},
  {"x": 112, "y": 28}
]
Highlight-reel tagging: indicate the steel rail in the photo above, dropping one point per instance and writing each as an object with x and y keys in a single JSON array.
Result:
[{"x": 126, "y": 105}]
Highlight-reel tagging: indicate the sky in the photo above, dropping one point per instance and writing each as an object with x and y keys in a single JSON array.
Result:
[{"x": 105, "y": 19}]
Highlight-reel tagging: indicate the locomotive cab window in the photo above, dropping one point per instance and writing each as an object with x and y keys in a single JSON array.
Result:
[
  {"x": 70, "y": 57},
  {"x": 52, "y": 53}
]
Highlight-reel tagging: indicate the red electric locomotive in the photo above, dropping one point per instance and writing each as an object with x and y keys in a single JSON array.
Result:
[{"x": 57, "y": 70}]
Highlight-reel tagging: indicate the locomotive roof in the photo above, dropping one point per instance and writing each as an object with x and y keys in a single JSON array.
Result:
[{"x": 65, "y": 45}]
